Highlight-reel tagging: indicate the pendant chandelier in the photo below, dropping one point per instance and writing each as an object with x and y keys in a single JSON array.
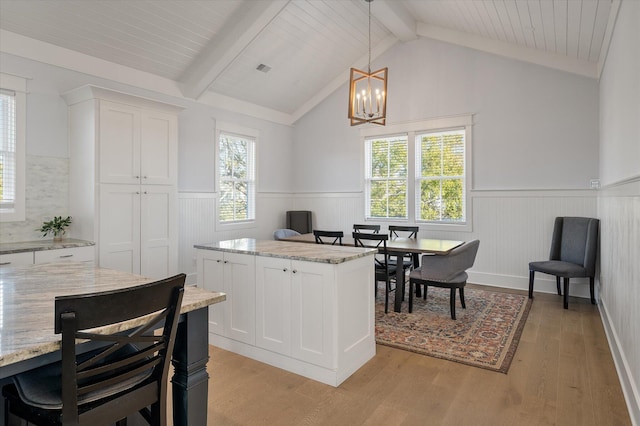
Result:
[{"x": 368, "y": 92}]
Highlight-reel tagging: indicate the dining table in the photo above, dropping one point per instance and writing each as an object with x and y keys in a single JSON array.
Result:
[
  {"x": 398, "y": 247},
  {"x": 28, "y": 341}
]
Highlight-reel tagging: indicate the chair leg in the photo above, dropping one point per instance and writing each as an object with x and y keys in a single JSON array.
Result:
[
  {"x": 531, "y": 275},
  {"x": 462, "y": 298},
  {"x": 387, "y": 284},
  {"x": 566, "y": 293},
  {"x": 411, "y": 283},
  {"x": 452, "y": 302},
  {"x": 592, "y": 290},
  {"x": 424, "y": 295},
  {"x": 558, "y": 286}
]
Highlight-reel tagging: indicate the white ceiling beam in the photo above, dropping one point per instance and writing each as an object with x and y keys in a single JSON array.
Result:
[
  {"x": 509, "y": 50},
  {"x": 396, "y": 18},
  {"x": 223, "y": 50}
]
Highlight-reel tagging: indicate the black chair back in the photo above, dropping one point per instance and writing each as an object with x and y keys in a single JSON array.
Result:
[
  {"x": 412, "y": 231},
  {"x": 359, "y": 227},
  {"x": 383, "y": 269},
  {"x": 336, "y": 235}
]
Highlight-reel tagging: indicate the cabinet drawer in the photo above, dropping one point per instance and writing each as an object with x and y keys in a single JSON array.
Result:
[
  {"x": 76, "y": 254},
  {"x": 14, "y": 259}
]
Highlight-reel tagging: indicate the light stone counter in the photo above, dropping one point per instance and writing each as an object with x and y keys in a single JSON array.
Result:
[
  {"x": 27, "y": 299},
  {"x": 321, "y": 253},
  {"x": 39, "y": 245}
]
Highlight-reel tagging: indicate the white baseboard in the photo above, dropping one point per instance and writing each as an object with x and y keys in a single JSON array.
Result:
[
  {"x": 629, "y": 387},
  {"x": 579, "y": 287}
]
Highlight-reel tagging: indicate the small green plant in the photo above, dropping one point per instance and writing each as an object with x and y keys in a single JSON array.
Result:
[{"x": 56, "y": 226}]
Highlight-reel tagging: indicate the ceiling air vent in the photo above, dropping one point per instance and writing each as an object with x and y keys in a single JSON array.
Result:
[{"x": 264, "y": 68}]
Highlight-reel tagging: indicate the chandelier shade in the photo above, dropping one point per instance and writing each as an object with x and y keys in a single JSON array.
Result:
[{"x": 368, "y": 92}]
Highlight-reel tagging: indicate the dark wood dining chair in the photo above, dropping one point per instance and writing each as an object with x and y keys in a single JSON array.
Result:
[
  {"x": 125, "y": 371},
  {"x": 447, "y": 271},
  {"x": 361, "y": 227},
  {"x": 384, "y": 271},
  {"x": 574, "y": 248},
  {"x": 410, "y": 261},
  {"x": 328, "y": 235}
]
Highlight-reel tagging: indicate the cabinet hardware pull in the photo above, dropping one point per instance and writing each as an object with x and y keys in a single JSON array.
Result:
[
  {"x": 295, "y": 271},
  {"x": 137, "y": 177},
  {"x": 284, "y": 269},
  {"x": 145, "y": 177},
  {"x": 145, "y": 192},
  {"x": 137, "y": 192},
  {"x": 226, "y": 261},
  {"x": 66, "y": 255},
  {"x": 218, "y": 260},
  {"x": 5, "y": 263}
]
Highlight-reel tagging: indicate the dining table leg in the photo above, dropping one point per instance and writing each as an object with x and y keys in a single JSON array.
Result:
[
  {"x": 399, "y": 293},
  {"x": 190, "y": 381}
]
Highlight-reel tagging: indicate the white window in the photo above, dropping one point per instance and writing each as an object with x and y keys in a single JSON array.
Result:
[
  {"x": 236, "y": 174},
  {"x": 12, "y": 148},
  {"x": 386, "y": 177},
  {"x": 440, "y": 176},
  {"x": 437, "y": 154}
]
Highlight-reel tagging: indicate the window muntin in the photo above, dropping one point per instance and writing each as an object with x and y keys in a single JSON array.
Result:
[
  {"x": 440, "y": 176},
  {"x": 236, "y": 178},
  {"x": 12, "y": 147},
  {"x": 386, "y": 177}
]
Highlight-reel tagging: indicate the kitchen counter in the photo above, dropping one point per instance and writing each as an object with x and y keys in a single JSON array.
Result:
[
  {"x": 321, "y": 253},
  {"x": 40, "y": 245}
]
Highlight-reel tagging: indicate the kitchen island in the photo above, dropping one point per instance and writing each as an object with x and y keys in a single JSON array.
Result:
[{"x": 305, "y": 308}]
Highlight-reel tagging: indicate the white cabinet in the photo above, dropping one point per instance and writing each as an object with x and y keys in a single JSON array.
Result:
[
  {"x": 294, "y": 309},
  {"x": 137, "y": 232},
  {"x": 137, "y": 146},
  {"x": 72, "y": 254},
  {"x": 123, "y": 179},
  {"x": 233, "y": 274},
  {"x": 309, "y": 317},
  {"x": 16, "y": 259}
]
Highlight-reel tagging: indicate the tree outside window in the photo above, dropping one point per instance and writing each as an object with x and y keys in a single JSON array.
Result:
[
  {"x": 387, "y": 177},
  {"x": 441, "y": 176},
  {"x": 236, "y": 178}
]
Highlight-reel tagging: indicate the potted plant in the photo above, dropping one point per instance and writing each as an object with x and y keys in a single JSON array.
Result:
[{"x": 56, "y": 227}]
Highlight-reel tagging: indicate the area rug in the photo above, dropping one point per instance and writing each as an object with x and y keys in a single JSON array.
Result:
[{"x": 485, "y": 334}]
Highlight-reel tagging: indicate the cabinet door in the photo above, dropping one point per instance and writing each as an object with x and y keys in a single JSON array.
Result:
[
  {"x": 240, "y": 309},
  {"x": 273, "y": 304},
  {"x": 210, "y": 277},
  {"x": 119, "y": 143},
  {"x": 119, "y": 246},
  {"x": 158, "y": 148},
  {"x": 158, "y": 239},
  {"x": 313, "y": 309}
]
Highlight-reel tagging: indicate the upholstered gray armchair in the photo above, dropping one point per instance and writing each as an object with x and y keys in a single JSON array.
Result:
[
  {"x": 574, "y": 248},
  {"x": 448, "y": 271}
]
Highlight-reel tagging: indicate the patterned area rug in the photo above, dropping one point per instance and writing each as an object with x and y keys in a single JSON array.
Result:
[{"x": 485, "y": 335}]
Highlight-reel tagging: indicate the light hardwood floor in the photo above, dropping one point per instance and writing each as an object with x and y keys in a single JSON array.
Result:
[{"x": 562, "y": 374}]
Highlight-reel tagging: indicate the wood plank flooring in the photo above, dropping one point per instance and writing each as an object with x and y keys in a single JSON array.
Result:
[{"x": 562, "y": 374}]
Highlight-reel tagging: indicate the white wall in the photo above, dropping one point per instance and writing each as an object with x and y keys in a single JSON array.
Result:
[
  {"x": 619, "y": 201},
  {"x": 534, "y": 127}
]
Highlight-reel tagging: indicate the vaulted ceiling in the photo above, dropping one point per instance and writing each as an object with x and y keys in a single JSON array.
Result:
[{"x": 210, "y": 50}]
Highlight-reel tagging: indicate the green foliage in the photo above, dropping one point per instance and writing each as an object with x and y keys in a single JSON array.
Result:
[
  {"x": 56, "y": 226},
  {"x": 234, "y": 178},
  {"x": 389, "y": 178}
]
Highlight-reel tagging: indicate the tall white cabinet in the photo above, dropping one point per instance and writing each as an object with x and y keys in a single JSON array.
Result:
[{"x": 123, "y": 179}]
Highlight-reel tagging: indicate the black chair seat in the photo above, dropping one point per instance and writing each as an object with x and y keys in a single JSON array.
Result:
[{"x": 558, "y": 268}]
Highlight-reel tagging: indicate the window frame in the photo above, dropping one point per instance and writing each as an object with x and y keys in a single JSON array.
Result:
[
  {"x": 231, "y": 129},
  {"x": 412, "y": 129},
  {"x": 18, "y": 85}
]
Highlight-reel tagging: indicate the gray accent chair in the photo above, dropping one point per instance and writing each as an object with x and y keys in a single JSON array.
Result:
[
  {"x": 448, "y": 271},
  {"x": 279, "y": 234},
  {"x": 299, "y": 220},
  {"x": 574, "y": 248}
]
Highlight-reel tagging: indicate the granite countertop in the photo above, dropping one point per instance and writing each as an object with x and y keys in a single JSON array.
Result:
[
  {"x": 24, "y": 246},
  {"x": 289, "y": 250},
  {"x": 28, "y": 292}
]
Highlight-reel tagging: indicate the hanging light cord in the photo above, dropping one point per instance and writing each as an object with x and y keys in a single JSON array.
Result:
[{"x": 369, "y": 1}]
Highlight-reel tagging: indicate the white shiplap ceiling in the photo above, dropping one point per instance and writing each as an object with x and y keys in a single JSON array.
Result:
[{"x": 209, "y": 49}]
